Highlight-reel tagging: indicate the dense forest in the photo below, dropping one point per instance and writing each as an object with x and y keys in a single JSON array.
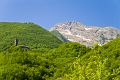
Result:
[{"x": 48, "y": 58}]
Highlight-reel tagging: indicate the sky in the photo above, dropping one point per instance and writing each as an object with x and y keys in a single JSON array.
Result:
[{"x": 47, "y": 13}]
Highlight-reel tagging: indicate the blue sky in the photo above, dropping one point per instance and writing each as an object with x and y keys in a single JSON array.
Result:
[{"x": 50, "y": 12}]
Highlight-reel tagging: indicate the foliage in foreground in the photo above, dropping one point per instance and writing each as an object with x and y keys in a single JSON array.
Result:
[
  {"x": 21, "y": 64},
  {"x": 102, "y": 63},
  {"x": 24, "y": 66}
]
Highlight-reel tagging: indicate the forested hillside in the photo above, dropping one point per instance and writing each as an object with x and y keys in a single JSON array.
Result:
[
  {"x": 28, "y": 34},
  {"x": 48, "y": 58}
]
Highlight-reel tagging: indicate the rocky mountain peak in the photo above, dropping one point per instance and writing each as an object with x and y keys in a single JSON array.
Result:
[
  {"x": 68, "y": 25},
  {"x": 87, "y": 35}
]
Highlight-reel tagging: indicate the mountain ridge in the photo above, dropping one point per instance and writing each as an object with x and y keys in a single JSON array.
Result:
[{"x": 87, "y": 35}]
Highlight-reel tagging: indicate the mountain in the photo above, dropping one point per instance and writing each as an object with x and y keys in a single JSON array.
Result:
[
  {"x": 87, "y": 35},
  {"x": 28, "y": 34},
  {"x": 48, "y": 59}
]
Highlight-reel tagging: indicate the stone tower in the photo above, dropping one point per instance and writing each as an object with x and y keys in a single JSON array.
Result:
[{"x": 16, "y": 42}]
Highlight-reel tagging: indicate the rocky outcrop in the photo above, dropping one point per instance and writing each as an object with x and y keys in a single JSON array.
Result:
[{"x": 87, "y": 35}]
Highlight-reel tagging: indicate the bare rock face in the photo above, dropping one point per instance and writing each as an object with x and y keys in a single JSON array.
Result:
[{"x": 87, "y": 35}]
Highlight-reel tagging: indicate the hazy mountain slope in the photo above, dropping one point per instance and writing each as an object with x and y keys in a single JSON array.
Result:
[
  {"x": 59, "y": 36},
  {"x": 28, "y": 34},
  {"x": 87, "y": 35}
]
